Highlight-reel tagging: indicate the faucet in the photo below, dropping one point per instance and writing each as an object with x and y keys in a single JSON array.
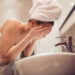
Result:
[{"x": 67, "y": 44}]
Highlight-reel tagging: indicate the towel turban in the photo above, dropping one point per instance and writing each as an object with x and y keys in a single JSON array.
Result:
[{"x": 45, "y": 10}]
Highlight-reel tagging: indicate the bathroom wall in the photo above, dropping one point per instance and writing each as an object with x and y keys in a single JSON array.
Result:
[
  {"x": 68, "y": 29},
  {"x": 14, "y": 9},
  {"x": 66, "y": 6}
]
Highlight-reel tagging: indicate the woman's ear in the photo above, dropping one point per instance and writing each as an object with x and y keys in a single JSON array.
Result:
[{"x": 33, "y": 23}]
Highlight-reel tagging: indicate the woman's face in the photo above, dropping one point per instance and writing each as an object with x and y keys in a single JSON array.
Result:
[
  {"x": 37, "y": 23},
  {"x": 43, "y": 24}
]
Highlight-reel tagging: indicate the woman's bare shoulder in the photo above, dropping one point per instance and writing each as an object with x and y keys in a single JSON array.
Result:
[{"x": 14, "y": 20}]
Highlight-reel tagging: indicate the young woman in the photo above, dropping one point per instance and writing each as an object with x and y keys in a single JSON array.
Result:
[{"x": 16, "y": 36}]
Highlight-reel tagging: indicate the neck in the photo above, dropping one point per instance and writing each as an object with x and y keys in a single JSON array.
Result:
[{"x": 27, "y": 26}]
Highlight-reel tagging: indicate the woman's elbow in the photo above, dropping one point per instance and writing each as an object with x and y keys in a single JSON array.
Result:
[{"x": 6, "y": 60}]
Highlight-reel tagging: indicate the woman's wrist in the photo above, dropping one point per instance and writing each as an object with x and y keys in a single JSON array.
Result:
[{"x": 30, "y": 37}]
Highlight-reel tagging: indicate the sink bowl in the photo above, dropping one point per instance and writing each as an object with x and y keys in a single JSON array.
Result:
[{"x": 47, "y": 64}]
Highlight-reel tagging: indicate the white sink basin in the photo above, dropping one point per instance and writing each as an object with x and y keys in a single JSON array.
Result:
[{"x": 47, "y": 64}]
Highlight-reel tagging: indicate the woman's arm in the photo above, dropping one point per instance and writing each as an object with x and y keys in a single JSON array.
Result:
[
  {"x": 14, "y": 51},
  {"x": 29, "y": 49},
  {"x": 33, "y": 34}
]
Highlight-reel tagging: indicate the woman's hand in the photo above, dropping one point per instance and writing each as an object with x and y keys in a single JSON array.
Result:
[{"x": 39, "y": 32}]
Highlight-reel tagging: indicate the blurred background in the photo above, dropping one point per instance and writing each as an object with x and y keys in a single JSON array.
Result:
[{"x": 62, "y": 30}]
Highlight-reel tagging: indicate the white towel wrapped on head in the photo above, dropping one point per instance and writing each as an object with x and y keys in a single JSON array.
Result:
[{"x": 45, "y": 10}]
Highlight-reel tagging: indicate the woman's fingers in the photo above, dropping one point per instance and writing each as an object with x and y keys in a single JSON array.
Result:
[
  {"x": 37, "y": 27},
  {"x": 40, "y": 27},
  {"x": 44, "y": 33},
  {"x": 39, "y": 32},
  {"x": 42, "y": 30}
]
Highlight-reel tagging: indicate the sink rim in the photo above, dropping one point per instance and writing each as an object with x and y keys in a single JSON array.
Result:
[{"x": 48, "y": 54}]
